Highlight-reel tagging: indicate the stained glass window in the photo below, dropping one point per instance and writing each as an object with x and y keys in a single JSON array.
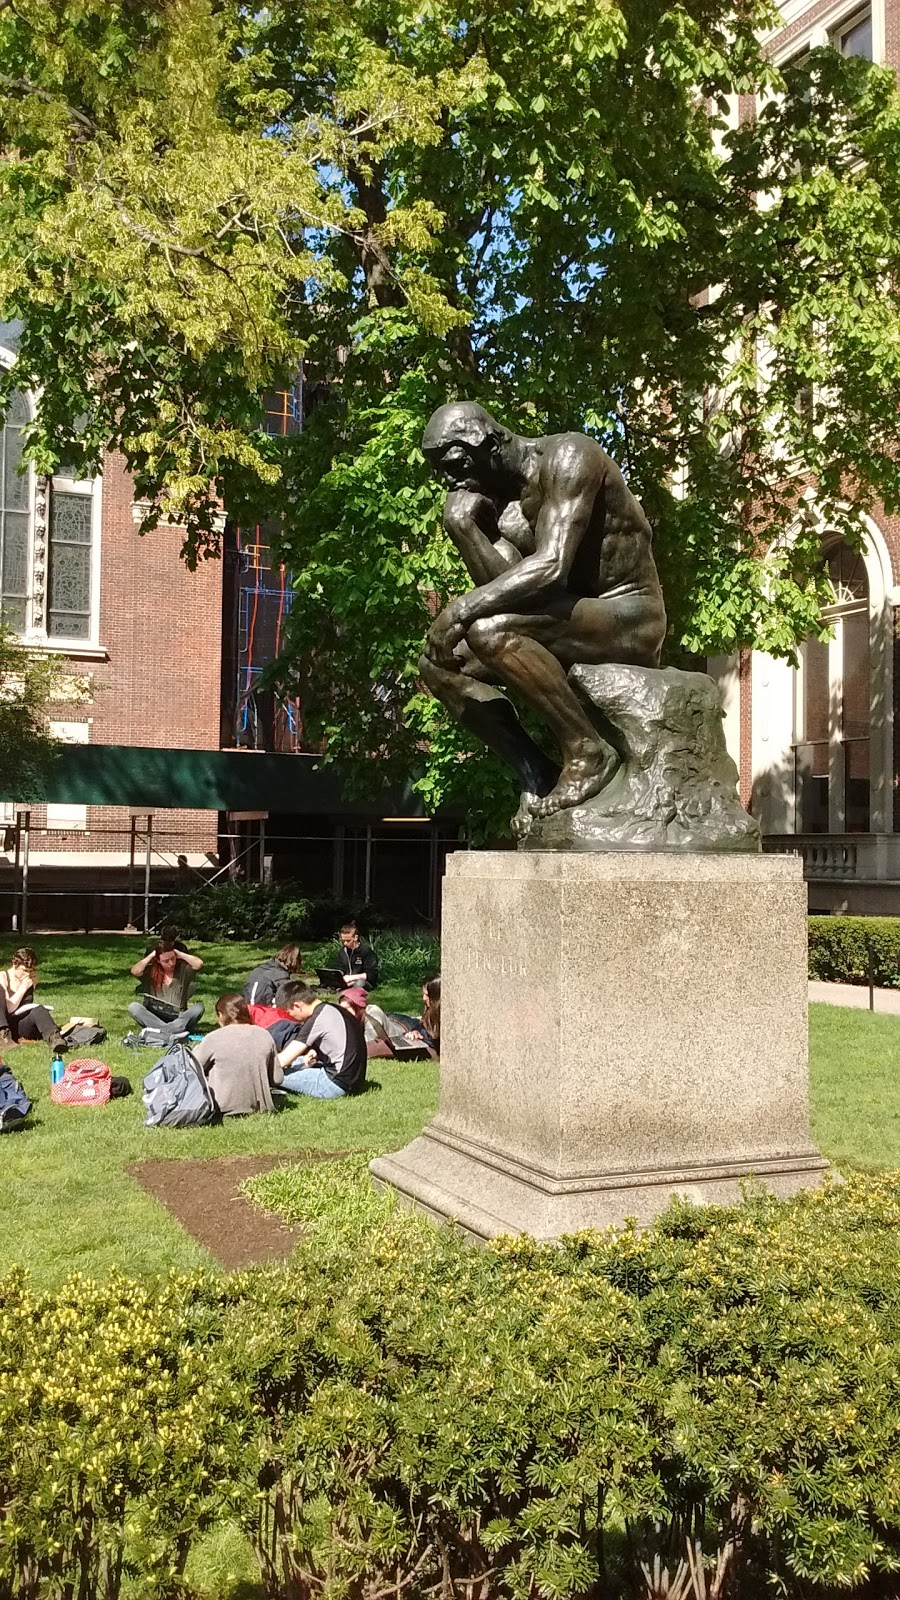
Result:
[
  {"x": 14, "y": 493},
  {"x": 69, "y": 586}
]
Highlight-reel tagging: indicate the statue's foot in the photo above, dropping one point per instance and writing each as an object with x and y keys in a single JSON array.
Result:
[
  {"x": 522, "y": 821},
  {"x": 581, "y": 778}
]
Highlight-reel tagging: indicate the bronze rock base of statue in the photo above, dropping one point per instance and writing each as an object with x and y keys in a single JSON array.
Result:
[{"x": 675, "y": 787}]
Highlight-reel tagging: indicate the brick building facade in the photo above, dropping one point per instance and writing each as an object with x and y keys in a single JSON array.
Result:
[{"x": 146, "y": 674}]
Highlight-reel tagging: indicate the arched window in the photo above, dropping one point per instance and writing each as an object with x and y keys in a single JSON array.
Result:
[
  {"x": 46, "y": 543},
  {"x": 833, "y": 704}
]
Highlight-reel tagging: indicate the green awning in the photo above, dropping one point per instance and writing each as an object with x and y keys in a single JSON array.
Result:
[{"x": 214, "y": 780}]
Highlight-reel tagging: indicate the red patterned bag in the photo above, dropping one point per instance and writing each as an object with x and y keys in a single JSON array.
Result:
[{"x": 84, "y": 1083}]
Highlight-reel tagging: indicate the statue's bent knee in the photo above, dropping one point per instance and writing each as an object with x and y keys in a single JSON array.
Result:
[{"x": 485, "y": 635}]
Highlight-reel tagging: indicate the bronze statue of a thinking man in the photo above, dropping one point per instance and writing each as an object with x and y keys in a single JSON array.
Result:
[{"x": 560, "y": 552}]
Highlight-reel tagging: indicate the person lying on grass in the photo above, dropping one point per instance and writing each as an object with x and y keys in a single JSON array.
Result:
[
  {"x": 239, "y": 1060},
  {"x": 426, "y": 1028},
  {"x": 21, "y": 1019},
  {"x": 330, "y": 1059},
  {"x": 165, "y": 981}
]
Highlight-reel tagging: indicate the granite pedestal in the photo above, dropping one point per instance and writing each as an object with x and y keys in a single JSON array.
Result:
[{"x": 617, "y": 1028}]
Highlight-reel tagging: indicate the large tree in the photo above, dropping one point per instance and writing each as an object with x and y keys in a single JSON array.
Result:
[
  {"x": 28, "y": 684},
  {"x": 548, "y": 204}
]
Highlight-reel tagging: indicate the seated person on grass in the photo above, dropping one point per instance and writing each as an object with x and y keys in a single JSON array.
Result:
[
  {"x": 354, "y": 959},
  {"x": 21, "y": 1018},
  {"x": 239, "y": 1060},
  {"x": 165, "y": 982},
  {"x": 265, "y": 980},
  {"x": 374, "y": 1022},
  {"x": 426, "y": 1028},
  {"x": 330, "y": 1060}
]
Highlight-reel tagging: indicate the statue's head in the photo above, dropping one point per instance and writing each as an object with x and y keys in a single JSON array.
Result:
[{"x": 462, "y": 444}]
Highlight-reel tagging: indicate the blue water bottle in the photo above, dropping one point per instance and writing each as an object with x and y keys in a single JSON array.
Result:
[{"x": 57, "y": 1068}]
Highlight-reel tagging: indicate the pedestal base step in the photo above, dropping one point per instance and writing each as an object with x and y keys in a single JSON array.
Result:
[{"x": 486, "y": 1195}]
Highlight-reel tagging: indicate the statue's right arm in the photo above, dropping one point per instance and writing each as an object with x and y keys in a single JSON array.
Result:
[{"x": 471, "y": 521}]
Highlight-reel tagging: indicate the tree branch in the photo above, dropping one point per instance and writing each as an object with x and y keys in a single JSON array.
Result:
[{"x": 25, "y": 86}]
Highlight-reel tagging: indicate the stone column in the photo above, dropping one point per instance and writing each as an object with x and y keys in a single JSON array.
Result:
[{"x": 617, "y": 1028}]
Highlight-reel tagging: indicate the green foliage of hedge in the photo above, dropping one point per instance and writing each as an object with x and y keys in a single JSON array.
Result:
[
  {"x": 408, "y": 957},
  {"x": 238, "y": 909},
  {"x": 242, "y": 909},
  {"x": 839, "y": 950},
  {"x": 396, "y": 1413},
  {"x": 119, "y": 1424}
]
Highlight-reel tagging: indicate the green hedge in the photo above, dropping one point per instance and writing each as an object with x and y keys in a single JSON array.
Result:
[
  {"x": 241, "y": 909},
  {"x": 839, "y": 949},
  {"x": 395, "y": 1413}
]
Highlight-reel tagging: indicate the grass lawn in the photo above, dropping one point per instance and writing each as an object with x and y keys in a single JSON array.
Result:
[
  {"x": 77, "y": 1209},
  {"x": 854, "y": 1059}
]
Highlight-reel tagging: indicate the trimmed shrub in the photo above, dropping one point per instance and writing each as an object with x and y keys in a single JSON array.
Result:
[
  {"x": 551, "y": 1420},
  {"x": 394, "y": 1412},
  {"x": 238, "y": 908},
  {"x": 116, "y": 1421},
  {"x": 839, "y": 950}
]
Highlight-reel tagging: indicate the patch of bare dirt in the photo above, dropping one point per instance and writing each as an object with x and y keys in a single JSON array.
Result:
[{"x": 204, "y": 1197}]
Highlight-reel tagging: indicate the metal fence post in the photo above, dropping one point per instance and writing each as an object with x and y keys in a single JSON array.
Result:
[
  {"x": 17, "y": 874},
  {"x": 147, "y": 872},
  {"x": 23, "y": 918},
  {"x": 132, "y": 863}
]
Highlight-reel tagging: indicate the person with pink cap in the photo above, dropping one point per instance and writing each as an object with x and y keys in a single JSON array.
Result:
[
  {"x": 384, "y": 1031},
  {"x": 355, "y": 1001}
]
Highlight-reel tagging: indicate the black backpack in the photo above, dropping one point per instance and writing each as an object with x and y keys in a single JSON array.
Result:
[
  {"x": 14, "y": 1102},
  {"x": 84, "y": 1034}
]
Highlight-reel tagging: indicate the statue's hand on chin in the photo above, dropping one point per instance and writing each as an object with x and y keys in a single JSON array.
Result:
[{"x": 466, "y": 506}]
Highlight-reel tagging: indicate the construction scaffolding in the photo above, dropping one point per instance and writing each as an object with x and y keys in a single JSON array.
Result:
[{"x": 132, "y": 875}]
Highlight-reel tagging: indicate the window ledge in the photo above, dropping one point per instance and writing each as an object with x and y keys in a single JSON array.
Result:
[
  {"x": 142, "y": 508},
  {"x": 73, "y": 650}
]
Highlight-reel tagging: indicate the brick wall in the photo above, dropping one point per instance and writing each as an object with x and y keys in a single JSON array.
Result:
[
  {"x": 159, "y": 684},
  {"x": 162, "y": 628},
  {"x": 892, "y": 33}
]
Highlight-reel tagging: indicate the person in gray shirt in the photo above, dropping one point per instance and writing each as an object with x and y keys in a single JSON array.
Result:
[
  {"x": 322, "y": 1048},
  {"x": 239, "y": 1060}
]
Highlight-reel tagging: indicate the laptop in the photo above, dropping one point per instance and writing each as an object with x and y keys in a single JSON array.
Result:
[
  {"x": 331, "y": 977},
  {"x": 408, "y": 1050},
  {"x": 159, "y": 1008}
]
